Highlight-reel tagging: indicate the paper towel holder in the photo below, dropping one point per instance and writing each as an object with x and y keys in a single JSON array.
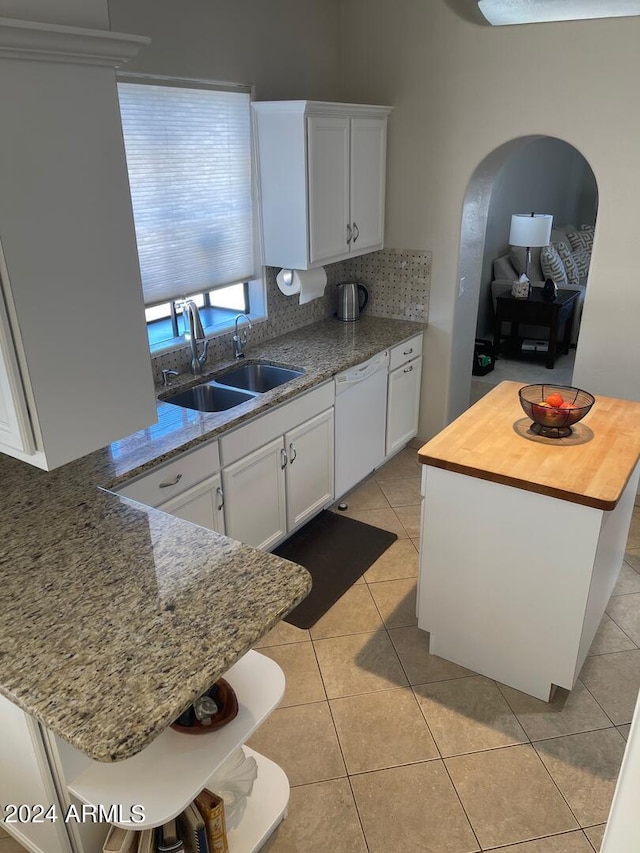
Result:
[
  {"x": 310, "y": 284},
  {"x": 286, "y": 277}
]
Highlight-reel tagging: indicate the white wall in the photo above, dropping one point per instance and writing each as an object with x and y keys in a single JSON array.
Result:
[
  {"x": 288, "y": 48},
  {"x": 79, "y": 13},
  {"x": 545, "y": 175},
  {"x": 460, "y": 91}
]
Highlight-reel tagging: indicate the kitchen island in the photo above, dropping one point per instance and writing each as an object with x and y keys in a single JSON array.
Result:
[
  {"x": 523, "y": 538},
  {"x": 116, "y": 616}
]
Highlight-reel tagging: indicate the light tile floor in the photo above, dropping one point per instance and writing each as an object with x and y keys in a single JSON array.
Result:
[
  {"x": 524, "y": 370},
  {"x": 389, "y": 748}
]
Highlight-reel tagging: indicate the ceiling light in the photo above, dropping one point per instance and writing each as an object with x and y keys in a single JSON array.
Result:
[{"x": 501, "y": 12}]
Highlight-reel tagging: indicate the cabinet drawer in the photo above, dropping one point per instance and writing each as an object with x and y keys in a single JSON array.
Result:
[
  {"x": 275, "y": 423},
  {"x": 404, "y": 352},
  {"x": 175, "y": 477}
]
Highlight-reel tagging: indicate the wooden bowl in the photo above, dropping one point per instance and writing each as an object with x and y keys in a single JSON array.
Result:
[{"x": 227, "y": 698}]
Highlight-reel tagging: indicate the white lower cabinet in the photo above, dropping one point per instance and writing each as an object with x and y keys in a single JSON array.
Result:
[
  {"x": 403, "y": 395},
  {"x": 189, "y": 487},
  {"x": 202, "y": 504},
  {"x": 25, "y": 778},
  {"x": 309, "y": 472},
  {"x": 254, "y": 490},
  {"x": 403, "y": 404},
  {"x": 275, "y": 489}
]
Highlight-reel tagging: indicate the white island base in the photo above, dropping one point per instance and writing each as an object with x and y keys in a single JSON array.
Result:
[{"x": 513, "y": 583}]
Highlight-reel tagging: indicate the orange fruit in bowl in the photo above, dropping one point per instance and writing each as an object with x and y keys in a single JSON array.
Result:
[{"x": 555, "y": 399}]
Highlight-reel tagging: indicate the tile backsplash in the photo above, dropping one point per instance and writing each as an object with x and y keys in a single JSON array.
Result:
[{"x": 398, "y": 281}]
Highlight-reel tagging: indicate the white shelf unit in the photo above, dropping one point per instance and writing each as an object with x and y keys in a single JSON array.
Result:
[
  {"x": 167, "y": 775},
  {"x": 265, "y": 808}
]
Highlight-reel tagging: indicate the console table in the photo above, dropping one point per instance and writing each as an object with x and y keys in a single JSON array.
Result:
[
  {"x": 537, "y": 311},
  {"x": 523, "y": 538}
]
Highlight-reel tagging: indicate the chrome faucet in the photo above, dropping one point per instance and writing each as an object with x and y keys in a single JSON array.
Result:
[
  {"x": 195, "y": 333},
  {"x": 240, "y": 338}
]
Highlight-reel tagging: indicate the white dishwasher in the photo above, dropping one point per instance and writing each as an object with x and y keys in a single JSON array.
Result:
[{"x": 360, "y": 413}]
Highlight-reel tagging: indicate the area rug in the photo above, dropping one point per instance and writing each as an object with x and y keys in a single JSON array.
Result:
[{"x": 336, "y": 551}]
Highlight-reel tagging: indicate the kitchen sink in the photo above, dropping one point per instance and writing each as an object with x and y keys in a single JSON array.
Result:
[
  {"x": 209, "y": 398},
  {"x": 257, "y": 378},
  {"x": 232, "y": 388}
]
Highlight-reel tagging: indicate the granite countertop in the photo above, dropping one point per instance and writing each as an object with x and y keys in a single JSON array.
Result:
[
  {"x": 117, "y": 616},
  {"x": 321, "y": 350}
]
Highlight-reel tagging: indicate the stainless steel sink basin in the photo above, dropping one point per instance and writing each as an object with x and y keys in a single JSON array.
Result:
[
  {"x": 209, "y": 398},
  {"x": 257, "y": 377},
  {"x": 245, "y": 381}
]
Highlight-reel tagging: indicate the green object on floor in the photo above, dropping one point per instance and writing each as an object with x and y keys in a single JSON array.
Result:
[{"x": 336, "y": 550}]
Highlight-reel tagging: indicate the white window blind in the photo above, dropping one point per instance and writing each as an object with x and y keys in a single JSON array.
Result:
[{"x": 189, "y": 161}]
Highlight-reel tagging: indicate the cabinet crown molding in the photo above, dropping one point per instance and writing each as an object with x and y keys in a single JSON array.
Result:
[
  {"x": 321, "y": 108},
  {"x": 35, "y": 41}
]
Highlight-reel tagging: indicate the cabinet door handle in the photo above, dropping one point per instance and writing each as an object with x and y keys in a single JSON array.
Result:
[
  {"x": 293, "y": 453},
  {"x": 348, "y": 233},
  {"x": 408, "y": 351},
  {"x": 220, "y": 494},
  {"x": 356, "y": 232},
  {"x": 173, "y": 482},
  {"x": 408, "y": 369},
  {"x": 283, "y": 456}
]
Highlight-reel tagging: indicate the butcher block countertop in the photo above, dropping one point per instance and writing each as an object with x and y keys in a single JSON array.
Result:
[{"x": 492, "y": 441}]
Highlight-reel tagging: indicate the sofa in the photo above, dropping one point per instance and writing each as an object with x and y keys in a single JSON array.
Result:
[{"x": 566, "y": 260}]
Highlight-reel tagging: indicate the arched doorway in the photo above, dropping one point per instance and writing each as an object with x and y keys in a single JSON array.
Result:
[{"x": 530, "y": 173}]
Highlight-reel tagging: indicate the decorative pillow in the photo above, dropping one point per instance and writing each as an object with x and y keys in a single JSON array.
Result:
[
  {"x": 552, "y": 266},
  {"x": 571, "y": 269},
  {"x": 582, "y": 258},
  {"x": 558, "y": 234},
  {"x": 581, "y": 239},
  {"x": 518, "y": 257}
]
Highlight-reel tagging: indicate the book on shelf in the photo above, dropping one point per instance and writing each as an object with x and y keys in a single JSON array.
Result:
[
  {"x": 193, "y": 831},
  {"x": 211, "y": 807},
  {"x": 120, "y": 840},
  {"x": 147, "y": 841},
  {"x": 167, "y": 838}
]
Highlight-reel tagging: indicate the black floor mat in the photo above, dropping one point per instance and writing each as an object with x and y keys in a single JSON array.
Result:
[{"x": 336, "y": 551}]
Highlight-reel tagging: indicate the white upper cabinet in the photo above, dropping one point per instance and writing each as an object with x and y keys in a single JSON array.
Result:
[
  {"x": 15, "y": 427},
  {"x": 74, "y": 357},
  {"x": 322, "y": 180},
  {"x": 368, "y": 169},
  {"x": 329, "y": 159}
]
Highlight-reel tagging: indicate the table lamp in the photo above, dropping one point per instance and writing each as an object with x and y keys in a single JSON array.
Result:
[{"x": 529, "y": 230}]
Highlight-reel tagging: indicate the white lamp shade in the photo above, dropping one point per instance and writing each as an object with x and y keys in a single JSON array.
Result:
[{"x": 527, "y": 230}]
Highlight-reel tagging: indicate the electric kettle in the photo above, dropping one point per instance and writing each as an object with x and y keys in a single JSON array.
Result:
[{"x": 352, "y": 299}]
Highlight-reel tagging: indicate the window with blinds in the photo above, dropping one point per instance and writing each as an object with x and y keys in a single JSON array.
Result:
[{"x": 189, "y": 160}]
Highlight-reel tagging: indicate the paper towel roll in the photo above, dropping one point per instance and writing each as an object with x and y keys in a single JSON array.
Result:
[{"x": 310, "y": 284}]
